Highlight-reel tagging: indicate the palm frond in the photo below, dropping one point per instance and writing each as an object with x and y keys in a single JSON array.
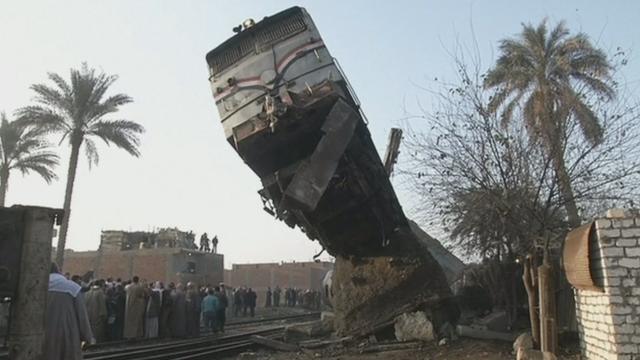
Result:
[
  {"x": 122, "y": 133},
  {"x": 61, "y": 83},
  {"x": 43, "y": 170},
  {"x": 559, "y": 32},
  {"x": 26, "y": 150},
  {"x": 110, "y": 105},
  {"x": 44, "y": 118},
  {"x": 48, "y": 96}
]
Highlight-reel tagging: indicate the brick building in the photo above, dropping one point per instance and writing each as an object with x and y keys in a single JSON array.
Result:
[
  {"x": 164, "y": 264},
  {"x": 167, "y": 255},
  {"x": 301, "y": 275},
  {"x": 608, "y": 309}
]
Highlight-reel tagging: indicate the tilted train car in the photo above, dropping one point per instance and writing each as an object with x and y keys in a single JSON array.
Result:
[{"x": 290, "y": 113}]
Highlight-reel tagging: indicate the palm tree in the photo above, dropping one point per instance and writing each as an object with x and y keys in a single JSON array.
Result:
[
  {"x": 77, "y": 111},
  {"x": 23, "y": 148},
  {"x": 548, "y": 76}
]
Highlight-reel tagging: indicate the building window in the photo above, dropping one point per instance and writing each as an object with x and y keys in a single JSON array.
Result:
[{"x": 191, "y": 267}]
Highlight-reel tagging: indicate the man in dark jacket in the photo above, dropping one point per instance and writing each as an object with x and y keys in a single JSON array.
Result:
[
  {"x": 223, "y": 303},
  {"x": 268, "y": 300},
  {"x": 251, "y": 299}
]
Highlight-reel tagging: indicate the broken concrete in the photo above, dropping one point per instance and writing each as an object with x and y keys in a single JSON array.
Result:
[
  {"x": 303, "y": 331},
  {"x": 414, "y": 326},
  {"x": 524, "y": 341},
  {"x": 369, "y": 293}
]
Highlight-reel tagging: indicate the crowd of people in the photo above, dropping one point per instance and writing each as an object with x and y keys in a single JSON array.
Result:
[
  {"x": 310, "y": 299},
  {"x": 110, "y": 310}
]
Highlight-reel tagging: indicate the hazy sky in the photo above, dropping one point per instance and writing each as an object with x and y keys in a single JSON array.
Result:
[{"x": 188, "y": 176}]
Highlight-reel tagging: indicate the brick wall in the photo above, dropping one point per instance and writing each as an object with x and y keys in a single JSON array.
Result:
[
  {"x": 163, "y": 264},
  {"x": 608, "y": 321},
  {"x": 301, "y": 275}
]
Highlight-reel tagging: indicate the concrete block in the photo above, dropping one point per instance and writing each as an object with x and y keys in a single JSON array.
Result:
[
  {"x": 617, "y": 271},
  {"x": 629, "y": 263},
  {"x": 603, "y": 223},
  {"x": 615, "y": 213},
  {"x": 608, "y": 233},
  {"x": 607, "y": 242},
  {"x": 616, "y": 299},
  {"x": 414, "y": 326},
  {"x": 618, "y": 319},
  {"x": 631, "y": 319},
  {"x": 627, "y": 223},
  {"x": 632, "y": 252},
  {"x": 621, "y": 310},
  {"x": 630, "y": 233},
  {"x": 612, "y": 252},
  {"x": 628, "y": 349},
  {"x": 625, "y": 329},
  {"x": 612, "y": 281},
  {"x": 626, "y": 242}
]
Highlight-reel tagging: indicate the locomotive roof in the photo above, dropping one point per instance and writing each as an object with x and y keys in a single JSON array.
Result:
[{"x": 268, "y": 20}]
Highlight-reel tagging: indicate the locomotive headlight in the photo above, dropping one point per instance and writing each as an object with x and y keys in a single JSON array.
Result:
[{"x": 248, "y": 23}]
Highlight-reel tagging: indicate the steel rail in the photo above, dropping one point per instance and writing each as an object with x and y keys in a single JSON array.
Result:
[
  {"x": 230, "y": 325},
  {"x": 178, "y": 347}
]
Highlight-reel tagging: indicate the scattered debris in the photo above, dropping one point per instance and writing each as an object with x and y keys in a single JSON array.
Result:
[
  {"x": 314, "y": 344},
  {"x": 524, "y": 341},
  {"x": 304, "y": 331},
  {"x": 392, "y": 347},
  {"x": 273, "y": 344},
  {"x": 481, "y": 333},
  {"x": 414, "y": 326},
  {"x": 495, "y": 321}
]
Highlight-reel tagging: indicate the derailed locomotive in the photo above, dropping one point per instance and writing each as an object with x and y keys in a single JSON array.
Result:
[{"x": 290, "y": 113}]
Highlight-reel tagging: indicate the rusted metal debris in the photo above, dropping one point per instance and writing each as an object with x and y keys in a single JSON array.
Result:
[{"x": 393, "y": 150}]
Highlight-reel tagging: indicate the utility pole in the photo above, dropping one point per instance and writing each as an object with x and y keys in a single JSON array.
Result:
[
  {"x": 30, "y": 231},
  {"x": 393, "y": 146}
]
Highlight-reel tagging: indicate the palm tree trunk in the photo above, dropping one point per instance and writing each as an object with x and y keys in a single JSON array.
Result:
[
  {"x": 566, "y": 191},
  {"x": 71, "y": 177},
  {"x": 4, "y": 185}
]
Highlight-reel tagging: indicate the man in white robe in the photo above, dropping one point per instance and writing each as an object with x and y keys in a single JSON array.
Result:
[{"x": 67, "y": 323}]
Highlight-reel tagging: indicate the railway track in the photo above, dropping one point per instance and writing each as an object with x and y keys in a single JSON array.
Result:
[
  {"x": 202, "y": 347},
  {"x": 206, "y": 347},
  {"x": 229, "y": 326}
]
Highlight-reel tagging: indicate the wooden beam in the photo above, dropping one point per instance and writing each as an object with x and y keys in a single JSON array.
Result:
[{"x": 548, "y": 324}]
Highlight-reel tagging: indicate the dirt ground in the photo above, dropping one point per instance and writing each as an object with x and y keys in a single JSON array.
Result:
[{"x": 462, "y": 349}]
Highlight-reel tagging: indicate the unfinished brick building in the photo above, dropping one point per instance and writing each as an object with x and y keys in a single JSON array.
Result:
[{"x": 123, "y": 255}]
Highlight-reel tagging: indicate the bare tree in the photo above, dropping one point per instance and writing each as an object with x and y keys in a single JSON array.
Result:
[{"x": 493, "y": 186}]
